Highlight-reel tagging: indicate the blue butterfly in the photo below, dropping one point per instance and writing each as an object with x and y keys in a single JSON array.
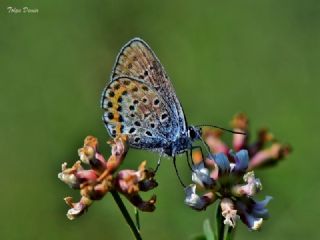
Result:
[{"x": 140, "y": 101}]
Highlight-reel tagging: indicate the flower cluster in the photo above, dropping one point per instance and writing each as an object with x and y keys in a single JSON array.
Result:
[
  {"x": 266, "y": 150},
  {"x": 102, "y": 177},
  {"x": 228, "y": 176},
  {"x": 225, "y": 177}
]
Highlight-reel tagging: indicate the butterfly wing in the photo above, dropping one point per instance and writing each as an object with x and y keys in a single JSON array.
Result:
[
  {"x": 136, "y": 109},
  {"x": 137, "y": 60}
]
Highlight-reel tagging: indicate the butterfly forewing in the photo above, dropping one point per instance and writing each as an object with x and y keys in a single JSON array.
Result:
[
  {"x": 137, "y": 60},
  {"x": 134, "y": 108}
]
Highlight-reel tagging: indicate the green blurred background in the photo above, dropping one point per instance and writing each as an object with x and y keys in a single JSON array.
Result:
[{"x": 261, "y": 57}]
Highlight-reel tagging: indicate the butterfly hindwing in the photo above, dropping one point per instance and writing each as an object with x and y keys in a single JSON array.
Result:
[
  {"x": 137, "y": 60},
  {"x": 134, "y": 108}
]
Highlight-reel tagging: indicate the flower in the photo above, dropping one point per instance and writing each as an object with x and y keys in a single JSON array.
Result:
[
  {"x": 196, "y": 202},
  {"x": 225, "y": 177},
  {"x": 266, "y": 150},
  {"x": 103, "y": 176}
]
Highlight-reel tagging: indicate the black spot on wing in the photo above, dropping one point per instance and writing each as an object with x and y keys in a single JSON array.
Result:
[
  {"x": 132, "y": 130},
  {"x": 110, "y": 115},
  {"x": 149, "y": 133},
  {"x": 111, "y": 94},
  {"x": 137, "y": 123}
]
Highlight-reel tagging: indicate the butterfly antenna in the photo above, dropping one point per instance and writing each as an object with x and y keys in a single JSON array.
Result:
[
  {"x": 175, "y": 167},
  {"x": 213, "y": 126},
  {"x": 224, "y": 129}
]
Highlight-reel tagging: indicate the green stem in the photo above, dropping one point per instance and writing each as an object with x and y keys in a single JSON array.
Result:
[
  {"x": 126, "y": 215},
  {"x": 220, "y": 224},
  {"x": 225, "y": 232},
  {"x": 136, "y": 212}
]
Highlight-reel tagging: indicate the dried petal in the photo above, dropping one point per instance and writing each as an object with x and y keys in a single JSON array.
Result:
[
  {"x": 241, "y": 159},
  {"x": 89, "y": 149},
  {"x": 264, "y": 136},
  {"x": 201, "y": 176},
  {"x": 77, "y": 208},
  {"x": 229, "y": 212},
  {"x": 119, "y": 149},
  {"x": 96, "y": 182},
  {"x": 213, "y": 140},
  {"x": 146, "y": 178},
  {"x": 240, "y": 121},
  {"x": 197, "y": 157},
  {"x": 276, "y": 152},
  {"x": 252, "y": 187},
  {"x": 86, "y": 154},
  {"x": 196, "y": 202},
  {"x": 145, "y": 206},
  {"x": 222, "y": 161},
  {"x": 68, "y": 175},
  {"x": 252, "y": 213},
  {"x": 240, "y": 124},
  {"x": 126, "y": 182}
]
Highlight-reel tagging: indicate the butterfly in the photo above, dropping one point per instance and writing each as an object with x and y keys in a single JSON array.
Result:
[{"x": 140, "y": 102}]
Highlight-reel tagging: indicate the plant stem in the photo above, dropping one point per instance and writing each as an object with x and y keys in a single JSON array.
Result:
[
  {"x": 126, "y": 215},
  {"x": 225, "y": 232},
  {"x": 220, "y": 224},
  {"x": 136, "y": 212}
]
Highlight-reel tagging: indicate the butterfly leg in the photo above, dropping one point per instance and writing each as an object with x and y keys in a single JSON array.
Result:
[
  {"x": 188, "y": 161},
  {"x": 175, "y": 167},
  {"x": 206, "y": 146},
  {"x": 158, "y": 163}
]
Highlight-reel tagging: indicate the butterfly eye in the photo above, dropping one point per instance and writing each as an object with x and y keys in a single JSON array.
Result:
[{"x": 192, "y": 133}]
